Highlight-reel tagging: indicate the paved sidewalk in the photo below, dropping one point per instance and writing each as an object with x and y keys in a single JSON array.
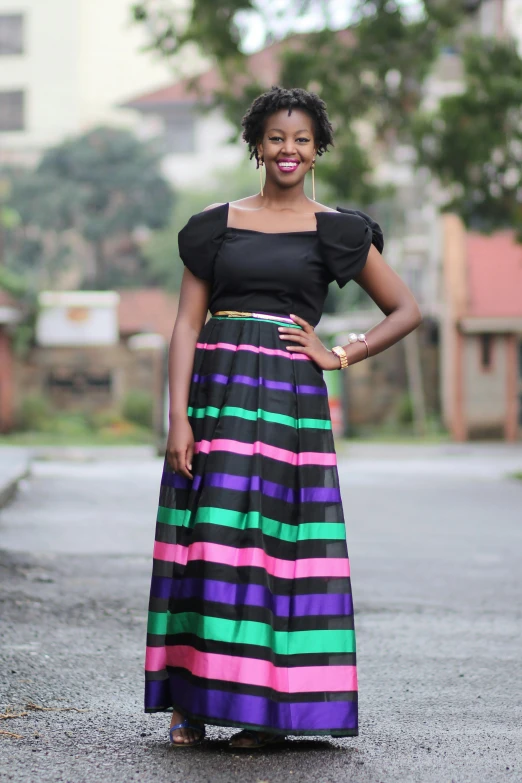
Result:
[
  {"x": 437, "y": 585},
  {"x": 15, "y": 465}
]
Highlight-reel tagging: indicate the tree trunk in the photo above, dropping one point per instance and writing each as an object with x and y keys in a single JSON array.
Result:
[{"x": 414, "y": 372}]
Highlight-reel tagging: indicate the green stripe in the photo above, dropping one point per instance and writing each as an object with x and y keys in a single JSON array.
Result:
[
  {"x": 306, "y": 531},
  {"x": 251, "y": 632},
  {"x": 265, "y": 320},
  {"x": 174, "y": 516},
  {"x": 276, "y": 418}
]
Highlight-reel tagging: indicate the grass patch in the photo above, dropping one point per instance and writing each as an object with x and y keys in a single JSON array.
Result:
[{"x": 136, "y": 437}]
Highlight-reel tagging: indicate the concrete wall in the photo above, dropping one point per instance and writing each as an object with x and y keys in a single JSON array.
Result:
[
  {"x": 47, "y": 71},
  {"x": 81, "y": 58},
  {"x": 126, "y": 370}
]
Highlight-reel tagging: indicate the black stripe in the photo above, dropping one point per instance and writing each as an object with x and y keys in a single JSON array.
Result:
[
  {"x": 250, "y": 537},
  {"x": 267, "y": 693},
  {"x": 254, "y": 613},
  {"x": 199, "y": 569}
]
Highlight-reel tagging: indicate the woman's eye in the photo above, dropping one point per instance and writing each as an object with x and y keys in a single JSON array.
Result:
[
  {"x": 303, "y": 139},
  {"x": 275, "y": 138}
]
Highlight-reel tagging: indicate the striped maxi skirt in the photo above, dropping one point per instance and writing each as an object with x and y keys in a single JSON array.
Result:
[{"x": 250, "y": 614}]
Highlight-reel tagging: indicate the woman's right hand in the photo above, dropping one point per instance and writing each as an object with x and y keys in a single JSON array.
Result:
[{"x": 180, "y": 447}]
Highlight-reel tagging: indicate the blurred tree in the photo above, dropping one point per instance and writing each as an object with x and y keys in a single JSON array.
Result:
[
  {"x": 91, "y": 192},
  {"x": 372, "y": 75},
  {"x": 473, "y": 142},
  {"x": 372, "y": 71}
]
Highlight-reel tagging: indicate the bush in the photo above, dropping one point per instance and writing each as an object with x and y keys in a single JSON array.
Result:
[
  {"x": 70, "y": 424},
  {"x": 405, "y": 410},
  {"x": 34, "y": 413},
  {"x": 138, "y": 407}
]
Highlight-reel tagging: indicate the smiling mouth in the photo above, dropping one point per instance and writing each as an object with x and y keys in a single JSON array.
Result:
[{"x": 287, "y": 166}]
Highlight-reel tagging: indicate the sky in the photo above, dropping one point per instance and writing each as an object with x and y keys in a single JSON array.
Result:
[{"x": 280, "y": 22}]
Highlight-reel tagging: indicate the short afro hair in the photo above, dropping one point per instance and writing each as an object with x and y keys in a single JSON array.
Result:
[{"x": 278, "y": 98}]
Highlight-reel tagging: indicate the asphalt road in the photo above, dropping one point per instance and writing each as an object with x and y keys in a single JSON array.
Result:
[{"x": 435, "y": 541}]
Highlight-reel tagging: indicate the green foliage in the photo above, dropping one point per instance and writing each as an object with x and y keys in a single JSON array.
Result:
[
  {"x": 37, "y": 417},
  {"x": 474, "y": 140},
  {"x": 34, "y": 413},
  {"x": 375, "y": 72},
  {"x": 12, "y": 283},
  {"x": 138, "y": 407},
  {"x": 90, "y": 189}
]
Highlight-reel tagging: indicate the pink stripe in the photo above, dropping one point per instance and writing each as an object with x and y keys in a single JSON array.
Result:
[
  {"x": 253, "y": 349},
  {"x": 155, "y": 659},
  {"x": 253, "y": 557},
  {"x": 258, "y": 447},
  {"x": 251, "y": 671}
]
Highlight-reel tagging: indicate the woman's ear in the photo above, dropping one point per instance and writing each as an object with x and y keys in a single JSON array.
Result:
[{"x": 260, "y": 152}]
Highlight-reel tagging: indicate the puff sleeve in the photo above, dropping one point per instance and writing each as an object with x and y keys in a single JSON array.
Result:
[
  {"x": 200, "y": 239},
  {"x": 345, "y": 237}
]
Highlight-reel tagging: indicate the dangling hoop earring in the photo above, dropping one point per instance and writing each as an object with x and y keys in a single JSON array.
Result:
[
  {"x": 313, "y": 179},
  {"x": 260, "y": 165}
]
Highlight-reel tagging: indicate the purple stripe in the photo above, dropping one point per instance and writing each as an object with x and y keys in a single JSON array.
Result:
[
  {"x": 246, "y": 379},
  {"x": 253, "y": 595},
  {"x": 254, "y": 484},
  {"x": 253, "y": 710}
]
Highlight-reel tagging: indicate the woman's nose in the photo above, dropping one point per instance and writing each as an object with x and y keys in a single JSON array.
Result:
[{"x": 289, "y": 148}]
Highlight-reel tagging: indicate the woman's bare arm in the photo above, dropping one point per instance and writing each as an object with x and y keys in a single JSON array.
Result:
[
  {"x": 395, "y": 300},
  {"x": 389, "y": 293},
  {"x": 192, "y": 311}
]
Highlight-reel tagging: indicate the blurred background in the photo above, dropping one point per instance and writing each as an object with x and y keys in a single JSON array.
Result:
[{"x": 118, "y": 120}]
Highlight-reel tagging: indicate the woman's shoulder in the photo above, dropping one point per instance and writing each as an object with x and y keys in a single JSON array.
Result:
[
  {"x": 200, "y": 239},
  {"x": 345, "y": 236},
  {"x": 322, "y": 208}
]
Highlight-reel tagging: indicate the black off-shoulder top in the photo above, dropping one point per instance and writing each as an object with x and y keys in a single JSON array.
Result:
[{"x": 277, "y": 273}]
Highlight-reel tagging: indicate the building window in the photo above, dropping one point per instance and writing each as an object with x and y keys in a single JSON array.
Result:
[
  {"x": 486, "y": 349},
  {"x": 12, "y": 105},
  {"x": 11, "y": 34}
]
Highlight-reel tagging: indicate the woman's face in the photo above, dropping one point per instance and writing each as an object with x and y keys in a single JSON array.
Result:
[{"x": 288, "y": 147}]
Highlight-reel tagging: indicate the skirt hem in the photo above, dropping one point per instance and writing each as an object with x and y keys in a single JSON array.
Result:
[{"x": 254, "y": 726}]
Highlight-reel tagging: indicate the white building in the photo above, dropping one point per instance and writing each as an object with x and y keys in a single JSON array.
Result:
[{"x": 65, "y": 66}]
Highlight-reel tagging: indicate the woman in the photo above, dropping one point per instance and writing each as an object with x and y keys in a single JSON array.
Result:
[{"x": 251, "y": 618}]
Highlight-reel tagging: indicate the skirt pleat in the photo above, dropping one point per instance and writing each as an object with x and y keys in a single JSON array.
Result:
[{"x": 250, "y": 614}]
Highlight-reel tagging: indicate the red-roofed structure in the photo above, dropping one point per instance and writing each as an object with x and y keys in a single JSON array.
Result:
[
  {"x": 263, "y": 66},
  {"x": 481, "y": 333}
]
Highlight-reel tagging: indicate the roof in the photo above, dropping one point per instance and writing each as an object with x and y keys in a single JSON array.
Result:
[
  {"x": 263, "y": 66},
  {"x": 494, "y": 272},
  {"x": 147, "y": 310}
]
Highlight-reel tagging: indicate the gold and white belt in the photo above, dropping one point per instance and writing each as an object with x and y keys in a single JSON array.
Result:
[{"x": 241, "y": 314}]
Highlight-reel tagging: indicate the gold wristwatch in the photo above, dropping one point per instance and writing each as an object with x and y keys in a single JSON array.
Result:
[{"x": 339, "y": 351}]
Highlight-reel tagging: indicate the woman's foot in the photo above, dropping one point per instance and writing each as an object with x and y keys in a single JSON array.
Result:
[
  {"x": 247, "y": 738},
  {"x": 184, "y": 736}
]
